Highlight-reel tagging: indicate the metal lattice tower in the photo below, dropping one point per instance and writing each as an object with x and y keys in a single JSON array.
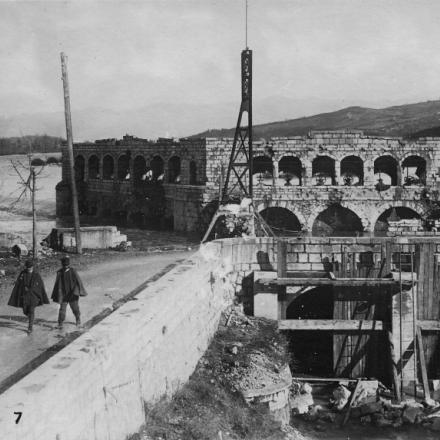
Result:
[{"x": 238, "y": 182}]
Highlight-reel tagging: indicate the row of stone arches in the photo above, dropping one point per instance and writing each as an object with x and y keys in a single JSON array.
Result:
[
  {"x": 387, "y": 171},
  {"x": 334, "y": 221},
  {"x": 137, "y": 169}
]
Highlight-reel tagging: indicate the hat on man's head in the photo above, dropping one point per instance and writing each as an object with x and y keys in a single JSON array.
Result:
[
  {"x": 65, "y": 261},
  {"x": 28, "y": 263}
]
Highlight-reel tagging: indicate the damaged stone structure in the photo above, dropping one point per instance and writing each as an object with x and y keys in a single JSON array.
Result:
[{"x": 333, "y": 183}]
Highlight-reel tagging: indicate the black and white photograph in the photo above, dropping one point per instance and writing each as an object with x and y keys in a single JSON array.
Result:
[{"x": 219, "y": 219}]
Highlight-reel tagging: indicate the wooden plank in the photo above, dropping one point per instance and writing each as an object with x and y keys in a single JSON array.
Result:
[
  {"x": 423, "y": 364},
  {"x": 420, "y": 276},
  {"x": 347, "y": 282},
  {"x": 306, "y": 274},
  {"x": 352, "y": 325},
  {"x": 353, "y": 272},
  {"x": 350, "y": 404},
  {"x": 429, "y": 325},
  {"x": 388, "y": 256},
  {"x": 343, "y": 263},
  {"x": 325, "y": 379},
  {"x": 430, "y": 345}
]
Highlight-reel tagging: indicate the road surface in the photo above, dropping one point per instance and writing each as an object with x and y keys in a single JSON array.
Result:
[{"x": 105, "y": 282}]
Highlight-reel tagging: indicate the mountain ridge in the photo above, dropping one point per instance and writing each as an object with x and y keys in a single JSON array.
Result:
[{"x": 398, "y": 120}]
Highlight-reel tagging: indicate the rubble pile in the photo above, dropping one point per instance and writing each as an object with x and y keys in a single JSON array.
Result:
[
  {"x": 238, "y": 389},
  {"x": 371, "y": 404}
]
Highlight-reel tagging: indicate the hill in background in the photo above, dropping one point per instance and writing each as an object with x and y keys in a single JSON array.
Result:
[{"x": 408, "y": 120}]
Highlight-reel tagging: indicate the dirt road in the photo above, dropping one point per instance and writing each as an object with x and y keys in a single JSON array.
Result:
[{"x": 105, "y": 282}]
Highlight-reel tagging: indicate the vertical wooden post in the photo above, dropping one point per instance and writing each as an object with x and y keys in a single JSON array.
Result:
[
  {"x": 388, "y": 256},
  {"x": 281, "y": 259},
  {"x": 220, "y": 185},
  {"x": 70, "y": 153},
  {"x": 34, "y": 217},
  {"x": 422, "y": 364}
]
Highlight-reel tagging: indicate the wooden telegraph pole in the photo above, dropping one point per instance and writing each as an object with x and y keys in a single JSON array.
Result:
[
  {"x": 70, "y": 153},
  {"x": 34, "y": 216}
]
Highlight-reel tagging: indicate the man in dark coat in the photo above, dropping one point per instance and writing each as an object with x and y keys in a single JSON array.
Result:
[
  {"x": 28, "y": 292},
  {"x": 67, "y": 290}
]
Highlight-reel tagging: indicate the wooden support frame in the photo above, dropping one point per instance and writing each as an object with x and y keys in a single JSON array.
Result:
[
  {"x": 351, "y": 325},
  {"x": 339, "y": 282},
  {"x": 422, "y": 364}
]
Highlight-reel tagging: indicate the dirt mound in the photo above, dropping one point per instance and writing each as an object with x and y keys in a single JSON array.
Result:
[{"x": 245, "y": 353}]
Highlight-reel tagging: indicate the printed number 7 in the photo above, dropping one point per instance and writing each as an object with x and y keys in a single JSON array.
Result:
[{"x": 19, "y": 414}]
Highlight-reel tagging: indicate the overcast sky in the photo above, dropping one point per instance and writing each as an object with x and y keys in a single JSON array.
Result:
[{"x": 130, "y": 54}]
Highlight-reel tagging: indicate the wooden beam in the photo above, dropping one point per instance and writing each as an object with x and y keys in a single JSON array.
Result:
[
  {"x": 324, "y": 379},
  {"x": 350, "y": 404},
  {"x": 351, "y": 325},
  {"x": 341, "y": 282},
  {"x": 423, "y": 364},
  {"x": 429, "y": 325}
]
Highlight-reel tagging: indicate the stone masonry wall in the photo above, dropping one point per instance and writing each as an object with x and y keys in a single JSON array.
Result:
[
  {"x": 96, "y": 387},
  {"x": 306, "y": 201}
]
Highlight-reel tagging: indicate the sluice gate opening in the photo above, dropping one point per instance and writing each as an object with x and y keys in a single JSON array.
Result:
[{"x": 356, "y": 308}]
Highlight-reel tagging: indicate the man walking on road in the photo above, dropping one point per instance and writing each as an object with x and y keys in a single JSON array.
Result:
[
  {"x": 67, "y": 290},
  {"x": 28, "y": 293}
]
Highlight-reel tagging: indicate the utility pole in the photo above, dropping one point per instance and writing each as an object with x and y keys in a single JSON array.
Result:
[
  {"x": 70, "y": 153},
  {"x": 34, "y": 217}
]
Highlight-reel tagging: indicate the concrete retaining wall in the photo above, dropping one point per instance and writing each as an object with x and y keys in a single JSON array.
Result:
[{"x": 96, "y": 388}]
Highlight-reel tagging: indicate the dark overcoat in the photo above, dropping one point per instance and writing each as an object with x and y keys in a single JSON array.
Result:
[
  {"x": 34, "y": 294},
  {"x": 72, "y": 284}
]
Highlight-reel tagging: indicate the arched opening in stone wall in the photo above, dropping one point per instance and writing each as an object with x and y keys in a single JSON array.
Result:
[
  {"x": 385, "y": 172},
  {"x": 323, "y": 171},
  {"x": 193, "y": 173},
  {"x": 157, "y": 167},
  {"x": 93, "y": 167},
  {"x": 282, "y": 221},
  {"x": 352, "y": 171},
  {"x": 262, "y": 170},
  {"x": 414, "y": 171},
  {"x": 290, "y": 170},
  {"x": 108, "y": 167},
  {"x": 139, "y": 169},
  {"x": 312, "y": 350},
  {"x": 124, "y": 167},
  {"x": 80, "y": 168},
  {"x": 174, "y": 170},
  {"x": 336, "y": 221},
  {"x": 393, "y": 214}
]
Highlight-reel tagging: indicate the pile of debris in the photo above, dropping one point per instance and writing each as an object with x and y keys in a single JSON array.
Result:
[
  {"x": 236, "y": 388},
  {"x": 368, "y": 402}
]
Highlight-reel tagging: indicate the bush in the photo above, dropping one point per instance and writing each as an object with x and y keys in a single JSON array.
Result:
[
  {"x": 37, "y": 162},
  {"x": 53, "y": 160}
]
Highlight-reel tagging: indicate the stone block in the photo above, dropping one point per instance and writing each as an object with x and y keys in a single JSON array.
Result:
[
  {"x": 410, "y": 413},
  {"x": 266, "y": 305}
]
